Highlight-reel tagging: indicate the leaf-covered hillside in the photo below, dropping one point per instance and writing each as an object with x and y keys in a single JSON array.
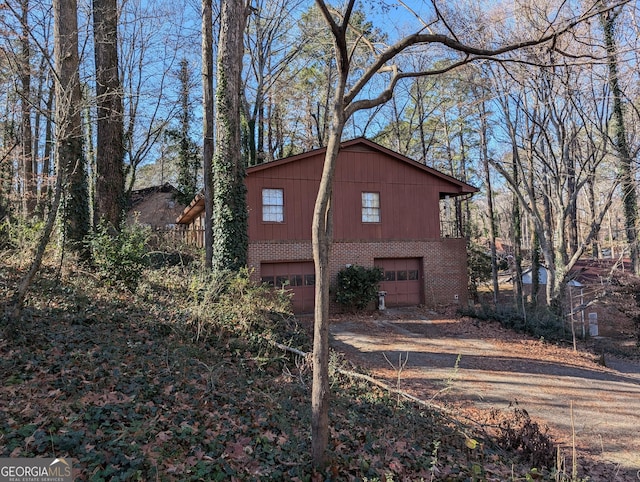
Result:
[{"x": 180, "y": 381}]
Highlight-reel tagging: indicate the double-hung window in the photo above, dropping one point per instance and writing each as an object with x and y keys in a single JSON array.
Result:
[
  {"x": 273, "y": 205},
  {"x": 370, "y": 207}
]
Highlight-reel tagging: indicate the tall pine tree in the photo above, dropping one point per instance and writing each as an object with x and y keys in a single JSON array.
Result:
[{"x": 110, "y": 203}]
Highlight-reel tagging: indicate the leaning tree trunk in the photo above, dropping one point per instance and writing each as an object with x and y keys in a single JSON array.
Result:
[
  {"x": 109, "y": 189},
  {"x": 322, "y": 230},
  {"x": 14, "y": 310}
]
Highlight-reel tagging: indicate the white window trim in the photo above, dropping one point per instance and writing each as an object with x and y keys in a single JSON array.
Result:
[
  {"x": 272, "y": 205},
  {"x": 370, "y": 207}
]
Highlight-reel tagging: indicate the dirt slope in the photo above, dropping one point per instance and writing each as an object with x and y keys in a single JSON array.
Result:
[{"x": 478, "y": 366}]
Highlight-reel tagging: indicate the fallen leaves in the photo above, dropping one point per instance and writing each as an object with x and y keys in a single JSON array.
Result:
[{"x": 131, "y": 396}]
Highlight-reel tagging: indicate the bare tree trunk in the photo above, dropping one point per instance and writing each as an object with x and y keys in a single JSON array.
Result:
[
  {"x": 207, "y": 126},
  {"x": 535, "y": 245},
  {"x": 37, "y": 159},
  {"x": 322, "y": 234},
  {"x": 29, "y": 193},
  {"x": 591, "y": 198},
  {"x": 516, "y": 219},
  {"x": 572, "y": 201},
  {"x": 493, "y": 231},
  {"x": 322, "y": 231},
  {"x": 109, "y": 189},
  {"x": 464, "y": 216},
  {"x": 45, "y": 192}
]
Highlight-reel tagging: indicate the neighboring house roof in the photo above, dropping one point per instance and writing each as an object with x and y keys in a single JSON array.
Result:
[
  {"x": 155, "y": 206},
  {"x": 586, "y": 271},
  {"x": 140, "y": 195},
  {"x": 458, "y": 188}
]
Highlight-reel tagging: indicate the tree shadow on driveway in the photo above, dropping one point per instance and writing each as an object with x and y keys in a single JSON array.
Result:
[{"x": 487, "y": 367}]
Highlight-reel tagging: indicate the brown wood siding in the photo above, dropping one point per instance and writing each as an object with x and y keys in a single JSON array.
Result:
[
  {"x": 299, "y": 197},
  {"x": 409, "y": 197}
]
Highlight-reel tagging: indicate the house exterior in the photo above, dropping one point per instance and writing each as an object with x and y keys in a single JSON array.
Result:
[{"x": 386, "y": 213}]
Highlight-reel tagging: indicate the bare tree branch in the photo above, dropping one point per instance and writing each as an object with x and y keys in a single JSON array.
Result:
[{"x": 473, "y": 53}]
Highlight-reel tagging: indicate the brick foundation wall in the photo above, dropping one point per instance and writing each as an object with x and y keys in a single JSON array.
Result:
[{"x": 444, "y": 262}]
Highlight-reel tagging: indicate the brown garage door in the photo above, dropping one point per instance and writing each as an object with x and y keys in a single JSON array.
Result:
[
  {"x": 402, "y": 280},
  {"x": 298, "y": 277}
]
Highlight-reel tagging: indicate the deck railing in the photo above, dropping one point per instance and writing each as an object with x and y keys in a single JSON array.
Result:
[{"x": 177, "y": 235}]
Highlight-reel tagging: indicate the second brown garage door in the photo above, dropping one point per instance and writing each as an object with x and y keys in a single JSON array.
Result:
[
  {"x": 298, "y": 277},
  {"x": 402, "y": 280}
]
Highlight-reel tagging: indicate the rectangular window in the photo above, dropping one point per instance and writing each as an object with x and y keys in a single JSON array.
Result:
[
  {"x": 370, "y": 207},
  {"x": 273, "y": 205}
]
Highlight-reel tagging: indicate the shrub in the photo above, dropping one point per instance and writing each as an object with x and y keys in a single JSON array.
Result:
[
  {"x": 119, "y": 257},
  {"x": 357, "y": 286},
  {"x": 20, "y": 234},
  {"x": 229, "y": 303},
  {"x": 540, "y": 322}
]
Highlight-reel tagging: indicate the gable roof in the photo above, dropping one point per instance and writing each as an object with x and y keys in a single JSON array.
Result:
[
  {"x": 459, "y": 188},
  {"x": 462, "y": 187}
]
